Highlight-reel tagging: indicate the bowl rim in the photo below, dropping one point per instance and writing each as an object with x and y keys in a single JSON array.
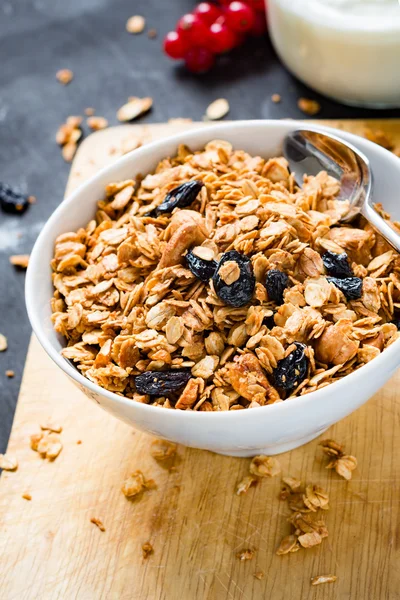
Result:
[{"x": 301, "y": 402}]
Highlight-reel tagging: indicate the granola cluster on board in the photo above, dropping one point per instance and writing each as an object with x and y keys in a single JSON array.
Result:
[{"x": 217, "y": 284}]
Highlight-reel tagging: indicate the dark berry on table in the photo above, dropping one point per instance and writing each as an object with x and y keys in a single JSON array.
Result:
[
  {"x": 240, "y": 292},
  {"x": 292, "y": 370},
  {"x": 337, "y": 265},
  {"x": 221, "y": 38},
  {"x": 174, "y": 45},
  {"x": 11, "y": 201},
  {"x": 276, "y": 283},
  {"x": 161, "y": 383},
  {"x": 269, "y": 322},
  {"x": 193, "y": 30},
  {"x": 207, "y": 12},
  {"x": 239, "y": 16},
  {"x": 351, "y": 287},
  {"x": 199, "y": 59},
  {"x": 182, "y": 196},
  {"x": 201, "y": 268}
]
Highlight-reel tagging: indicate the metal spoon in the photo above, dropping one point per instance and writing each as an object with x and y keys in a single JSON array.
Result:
[{"x": 308, "y": 152}]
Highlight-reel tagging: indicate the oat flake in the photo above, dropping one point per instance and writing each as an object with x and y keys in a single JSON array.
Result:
[{"x": 217, "y": 109}]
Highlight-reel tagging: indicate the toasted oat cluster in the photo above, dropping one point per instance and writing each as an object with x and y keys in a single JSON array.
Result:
[{"x": 217, "y": 284}]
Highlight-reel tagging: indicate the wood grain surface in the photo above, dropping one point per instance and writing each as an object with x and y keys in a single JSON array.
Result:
[{"x": 49, "y": 549}]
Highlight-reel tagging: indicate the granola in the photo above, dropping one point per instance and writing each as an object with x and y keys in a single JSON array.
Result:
[
  {"x": 343, "y": 463},
  {"x": 256, "y": 316}
]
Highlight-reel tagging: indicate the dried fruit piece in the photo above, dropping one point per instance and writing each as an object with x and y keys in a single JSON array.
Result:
[
  {"x": 161, "y": 383},
  {"x": 337, "y": 265},
  {"x": 134, "y": 108},
  {"x": 217, "y": 109},
  {"x": 350, "y": 286},
  {"x": 202, "y": 269},
  {"x": 276, "y": 283},
  {"x": 240, "y": 292},
  {"x": 182, "y": 196},
  {"x": 291, "y": 370},
  {"x": 11, "y": 201}
]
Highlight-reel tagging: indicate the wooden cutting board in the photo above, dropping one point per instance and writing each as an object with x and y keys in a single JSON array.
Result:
[{"x": 50, "y": 550}]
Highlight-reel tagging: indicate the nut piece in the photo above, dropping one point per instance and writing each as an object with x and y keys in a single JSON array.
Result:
[
  {"x": 134, "y": 108},
  {"x": 310, "y": 107},
  {"x": 64, "y": 76},
  {"x": 8, "y": 462},
  {"x": 248, "y": 380},
  {"x": 265, "y": 466},
  {"x": 147, "y": 549},
  {"x": 97, "y": 123},
  {"x": 98, "y": 523},
  {"x": 217, "y": 109},
  {"x": 3, "y": 343},
  {"x": 135, "y": 24},
  {"x": 20, "y": 260},
  {"x": 323, "y": 579},
  {"x": 162, "y": 449}
]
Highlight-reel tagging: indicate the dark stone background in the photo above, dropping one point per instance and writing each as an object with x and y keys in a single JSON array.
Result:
[{"x": 38, "y": 37}]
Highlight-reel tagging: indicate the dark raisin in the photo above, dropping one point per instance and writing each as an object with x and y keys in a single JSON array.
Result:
[
  {"x": 350, "y": 286},
  {"x": 269, "y": 321},
  {"x": 181, "y": 196},
  {"x": 161, "y": 383},
  {"x": 12, "y": 201},
  {"x": 276, "y": 283},
  {"x": 291, "y": 370},
  {"x": 337, "y": 265},
  {"x": 240, "y": 292},
  {"x": 396, "y": 322},
  {"x": 203, "y": 269}
]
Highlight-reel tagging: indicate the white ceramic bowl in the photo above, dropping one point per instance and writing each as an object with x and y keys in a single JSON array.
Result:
[{"x": 271, "y": 429}]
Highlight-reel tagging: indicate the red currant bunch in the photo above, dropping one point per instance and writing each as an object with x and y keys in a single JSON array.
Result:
[{"x": 212, "y": 29}]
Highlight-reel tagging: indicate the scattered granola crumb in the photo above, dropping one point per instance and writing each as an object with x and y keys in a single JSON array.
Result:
[
  {"x": 136, "y": 483},
  {"x": 68, "y": 135},
  {"x": 276, "y": 98},
  {"x": 135, "y": 24},
  {"x": 32, "y": 199},
  {"x": 3, "y": 343},
  {"x": 265, "y": 466},
  {"x": 288, "y": 544},
  {"x": 309, "y": 107},
  {"x": 64, "y": 76},
  {"x": 379, "y": 137},
  {"x": 97, "y": 123},
  {"x": 247, "y": 554},
  {"x": 245, "y": 484},
  {"x": 48, "y": 445},
  {"x": 50, "y": 426},
  {"x": 89, "y": 111},
  {"x": 98, "y": 523},
  {"x": 343, "y": 463},
  {"x": 147, "y": 549},
  {"x": 162, "y": 449},
  {"x": 152, "y": 33},
  {"x": 8, "y": 462},
  {"x": 134, "y": 108},
  {"x": 217, "y": 109},
  {"x": 26, "y": 496},
  {"x": 20, "y": 260},
  {"x": 10, "y": 373},
  {"x": 79, "y": 442},
  {"x": 259, "y": 575},
  {"x": 323, "y": 579}
]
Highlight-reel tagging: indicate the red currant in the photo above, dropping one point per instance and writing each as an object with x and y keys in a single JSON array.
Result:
[
  {"x": 258, "y": 5},
  {"x": 174, "y": 45},
  {"x": 221, "y": 39},
  {"x": 239, "y": 16},
  {"x": 193, "y": 30},
  {"x": 207, "y": 12},
  {"x": 259, "y": 26},
  {"x": 199, "y": 60}
]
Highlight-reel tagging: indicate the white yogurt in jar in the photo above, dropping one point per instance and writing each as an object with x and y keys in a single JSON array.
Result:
[{"x": 346, "y": 49}]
